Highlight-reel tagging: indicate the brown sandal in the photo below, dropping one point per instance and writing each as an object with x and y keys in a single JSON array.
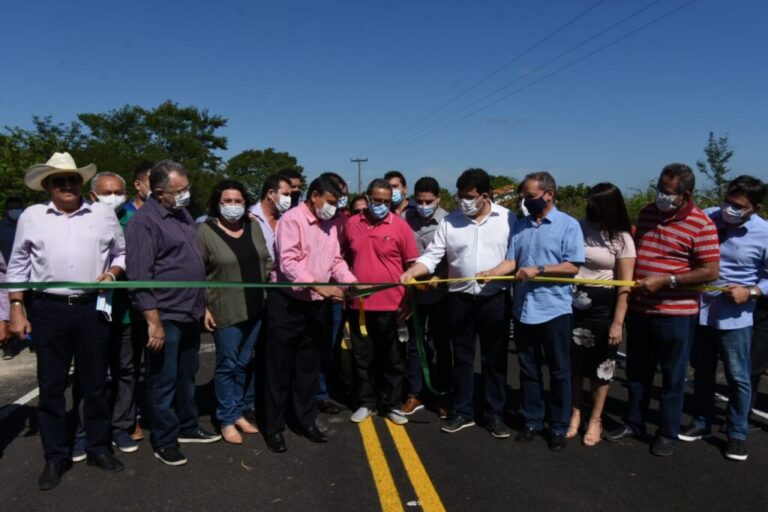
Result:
[
  {"x": 590, "y": 437},
  {"x": 573, "y": 428}
]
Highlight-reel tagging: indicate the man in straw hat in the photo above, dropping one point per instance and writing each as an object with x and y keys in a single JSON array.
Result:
[{"x": 66, "y": 239}]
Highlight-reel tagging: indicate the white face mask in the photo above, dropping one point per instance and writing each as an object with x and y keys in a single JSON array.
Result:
[
  {"x": 14, "y": 214},
  {"x": 232, "y": 212},
  {"x": 732, "y": 216},
  {"x": 283, "y": 204},
  {"x": 114, "y": 201},
  {"x": 666, "y": 202},
  {"x": 470, "y": 207},
  {"x": 183, "y": 199},
  {"x": 326, "y": 212},
  {"x": 343, "y": 201}
]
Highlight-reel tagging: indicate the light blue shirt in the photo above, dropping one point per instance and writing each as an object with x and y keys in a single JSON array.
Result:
[
  {"x": 743, "y": 261},
  {"x": 556, "y": 239}
]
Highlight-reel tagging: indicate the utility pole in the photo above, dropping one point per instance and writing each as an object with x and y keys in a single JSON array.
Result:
[{"x": 359, "y": 162}]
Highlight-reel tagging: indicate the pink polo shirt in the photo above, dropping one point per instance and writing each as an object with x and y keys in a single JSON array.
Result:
[
  {"x": 308, "y": 251},
  {"x": 379, "y": 254}
]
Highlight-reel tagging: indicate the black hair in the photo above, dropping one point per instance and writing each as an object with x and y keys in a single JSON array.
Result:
[
  {"x": 545, "y": 181},
  {"x": 158, "y": 176},
  {"x": 476, "y": 179},
  {"x": 607, "y": 209},
  {"x": 427, "y": 184},
  {"x": 396, "y": 174},
  {"x": 291, "y": 174},
  {"x": 323, "y": 184},
  {"x": 272, "y": 183},
  {"x": 753, "y": 188},
  {"x": 142, "y": 170},
  {"x": 378, "y": 183},
  {"x": 213, "y": 202},
  {"x": 338, "y": 179},
  {"x": 677, "y": 170}
]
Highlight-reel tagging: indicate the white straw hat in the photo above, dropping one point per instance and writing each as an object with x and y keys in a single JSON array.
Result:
[{"x": 59, "y": 163}]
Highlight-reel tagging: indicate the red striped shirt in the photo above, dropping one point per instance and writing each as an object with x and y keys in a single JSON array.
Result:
[{"x": 672, "y": 245}]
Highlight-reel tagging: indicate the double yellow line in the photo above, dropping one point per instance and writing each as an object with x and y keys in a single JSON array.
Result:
[{"x": 389, "y": 497}]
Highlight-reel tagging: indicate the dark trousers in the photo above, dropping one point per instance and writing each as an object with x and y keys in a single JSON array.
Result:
[
  {"x": 123, "y": 378},
  {"x": 378, "y": 367},
  {"x": 486, "y": 317},
  {"x": 759, "y": 352},
  {"x": 550, "y": 341},
  {"x": 61, "y": 332},
  {"x": 436, "y": 329},
  {"x": 171, "y": 381},
  {"x": 297, "y": 332},
  {"x": 665, "y": 341}
]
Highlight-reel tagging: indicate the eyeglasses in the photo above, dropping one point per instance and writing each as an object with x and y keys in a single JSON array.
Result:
[{"x": 66, "y": 181}]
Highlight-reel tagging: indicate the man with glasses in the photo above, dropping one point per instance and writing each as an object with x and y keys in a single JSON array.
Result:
[
  {"x": 162, "y": 246},
  {"x": 380, "y": 246},
  {"x": 66, "y": 239},
  {"x": 677, "y": 248}
]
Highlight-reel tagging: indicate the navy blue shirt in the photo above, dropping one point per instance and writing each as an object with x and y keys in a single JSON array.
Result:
[
  {"x": 161, "y": 245},
  {"x": 556, "y": 239}
]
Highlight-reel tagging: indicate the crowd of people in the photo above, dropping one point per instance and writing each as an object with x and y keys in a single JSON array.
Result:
[{"x": 309, "y": 266}]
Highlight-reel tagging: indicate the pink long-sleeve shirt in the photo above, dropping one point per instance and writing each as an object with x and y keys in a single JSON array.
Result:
[{"x": 307, "y": 251}]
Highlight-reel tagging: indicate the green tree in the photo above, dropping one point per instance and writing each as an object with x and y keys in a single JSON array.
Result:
[
  {"x": 498, "y": 181},
  {"x": 715, "y": 167},
  {"x": 572, "y": 199},
  {"x": 252, "y": 166}
]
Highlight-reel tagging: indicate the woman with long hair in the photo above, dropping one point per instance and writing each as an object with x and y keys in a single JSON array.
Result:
[{"x": 599, "y": 311}]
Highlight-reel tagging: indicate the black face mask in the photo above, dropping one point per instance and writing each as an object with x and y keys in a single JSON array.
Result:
[
  {"x": 295, "y": 197},
  {"x": 535, "y": 206}
]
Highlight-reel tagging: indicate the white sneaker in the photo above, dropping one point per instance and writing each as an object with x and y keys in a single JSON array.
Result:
[
  {"x": 362, "y": 414},
  {"x": 397, "y": 417}
]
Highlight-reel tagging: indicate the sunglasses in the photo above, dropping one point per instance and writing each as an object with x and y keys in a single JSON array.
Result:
[{"x": 66, "y": 181}]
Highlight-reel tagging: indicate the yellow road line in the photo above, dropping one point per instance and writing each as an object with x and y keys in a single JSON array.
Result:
[
  {"x": 382, "y": 476},
  {"x": 425, "y": 490}
]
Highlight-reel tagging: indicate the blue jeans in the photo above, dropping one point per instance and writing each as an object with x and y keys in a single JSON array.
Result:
[
  {"x": 234, "y": 350},
  {"x": 327, "y": 363},
  {"x": 734, "y": 348},
  {"x": 656, "y": 340},
  {"x": 171, "y": 374},
  {"x": 554, "y": 339}
]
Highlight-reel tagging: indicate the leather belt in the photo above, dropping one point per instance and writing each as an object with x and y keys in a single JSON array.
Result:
[{"x": 70, "y": 300}]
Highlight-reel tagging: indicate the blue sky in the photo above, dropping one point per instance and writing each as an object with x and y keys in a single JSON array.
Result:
[{"x": 331, "y": 80}]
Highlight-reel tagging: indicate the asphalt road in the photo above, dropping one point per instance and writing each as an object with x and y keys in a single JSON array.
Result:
[{"x": 375, "y": 466}]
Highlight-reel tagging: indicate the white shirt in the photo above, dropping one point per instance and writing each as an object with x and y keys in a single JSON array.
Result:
[
  {"x": 471, "y": 247},
  {"x": 51, "y": 245}
]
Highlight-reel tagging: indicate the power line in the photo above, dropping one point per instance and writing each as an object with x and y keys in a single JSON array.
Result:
[
  {"x": 523, "y": 77},
  {"x": 548, "y": 75},
  {"x": 490, "y": 75}
]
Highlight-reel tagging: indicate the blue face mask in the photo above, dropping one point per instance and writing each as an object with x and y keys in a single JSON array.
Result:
[
  {"x": 397, "y": 196},
  {"x": 378, "y": 211},
  {"x": 426, "y": 210}
]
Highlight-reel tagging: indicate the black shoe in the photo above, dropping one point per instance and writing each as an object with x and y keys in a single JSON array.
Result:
[
  {"x": 456, "y": 423},
  {"x": 692, "y": 433},
  {"x": 621, "y": 433},
  {"x": 663, "y": 447},
  {"x": 51, "y": 475},
  {"x": 328, "y": 407},
  {"x": 526, "y": 435},
  {"x": 314, "y": 434},
  {"x": 737, "y": 450},
  {"x": 199, "y": 436},
  {"x": 276, "y": 442},
  {"x": 105, "y": 461},
  {"x": 557, "y": 442},
  {"x": 171, "y": 456},
  {"x": 497, "y": 428}
]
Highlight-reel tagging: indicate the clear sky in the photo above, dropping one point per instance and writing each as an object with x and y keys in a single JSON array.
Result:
[{"x": 330, "y": 80}]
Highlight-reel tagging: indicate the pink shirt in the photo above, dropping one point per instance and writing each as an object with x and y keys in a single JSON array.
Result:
[
  {"x": 51, "y": 245},
  {"x": 308, "y": 251},
  {"x": 380, "y": 253}
]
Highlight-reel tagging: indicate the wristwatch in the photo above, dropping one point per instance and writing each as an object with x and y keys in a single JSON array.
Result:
[
  {"x": 673, "y": 281},
  {"x": 753, "y": 293},
  {"x": 540, "y": 269}
]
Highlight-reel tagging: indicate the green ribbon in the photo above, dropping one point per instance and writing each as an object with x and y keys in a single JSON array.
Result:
[
  {"x": 123, "y": 285},
  {"x": 419, "y": 333}
]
